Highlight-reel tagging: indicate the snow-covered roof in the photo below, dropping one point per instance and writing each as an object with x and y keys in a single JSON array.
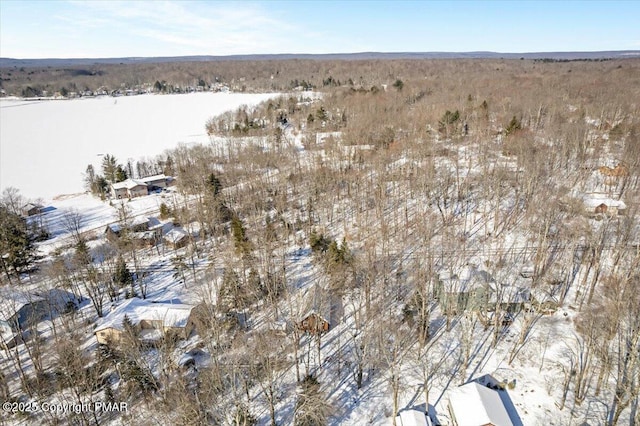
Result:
[
  {"x": 145, "y": 235},
  {"x": 413, "y": 418},
  {"x": 514, "y": 289},
  {"x": 510, "y": 294},
  {"x": 11, "y": 301},
  {"x": 175, "y": 235},
  {"x": 473, "y": 404},
  {"x": 114, "y": 227},
  {"x": 544, "y": 294},
  {"x": 171, "y": 315},
  {"x": 128, "y": 184},
  {"x": 30, "y": 206},
  {"x": 594, "y": 200},
  {"x": 140, "y": 220},
  {"x": 155, "y": 178},
  {"x": 468, "y": 278}
]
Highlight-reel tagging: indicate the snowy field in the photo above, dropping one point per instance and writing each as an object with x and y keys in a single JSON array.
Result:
[{"x": 45, "y": 146}]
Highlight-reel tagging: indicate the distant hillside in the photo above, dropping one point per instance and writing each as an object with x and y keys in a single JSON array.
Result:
[
  {"x": 44, "y": 62},
  {"x": 273, "y": 73}
]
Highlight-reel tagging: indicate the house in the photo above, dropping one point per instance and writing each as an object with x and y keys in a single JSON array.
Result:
[
  {"x": 313, "y": 323},
  {"x": 468, "y": 289},
  {"x": 19, "y": 310},
  {"x": 176, "y": 238},
  {"x": 138, "y": 224},
  {"x": 31, "y": 209},
  {"x": 412, "y": 418},
  {"x": 511, "y": 297},
  {"x": 157, "y": 182},
  {"x": 544, "y": 299},
  {"x": 129, "y": 188},
  {"x": 150, "y": 320},
  {"x": 112, "y": 231},
  {"x": 474, "y": 404},
  {"x": 598, "y": 205},
  {"x": 145, "y": 239}
]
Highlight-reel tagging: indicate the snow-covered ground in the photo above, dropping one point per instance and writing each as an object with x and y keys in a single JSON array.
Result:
[{"x": 45, "y": 146}]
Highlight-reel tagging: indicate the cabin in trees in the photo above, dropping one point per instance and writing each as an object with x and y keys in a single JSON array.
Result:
[
  {"x": 475, "y": 290},
  {"x": 475, "y": 404},
  {"x": 596, "y": 205},
  {"x": 19, "y": 310},
  {"x": 511, "y": 296},
  {"x": 31, "y": 209},
  {"x": 138, "y": 224},
  {"x": 176, "y": 238},
  {"x": 146, "y": 238},
  {"x": 467, "y": 289},
  {"x": 149, "y": 321},
  {"x": 313, "y": 323}
]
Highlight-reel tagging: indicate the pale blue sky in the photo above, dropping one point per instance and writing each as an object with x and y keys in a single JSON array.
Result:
[{"x": 74, "y": 29}]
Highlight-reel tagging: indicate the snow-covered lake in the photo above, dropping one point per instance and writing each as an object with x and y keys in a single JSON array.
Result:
[{"x": 45, "y": 146}]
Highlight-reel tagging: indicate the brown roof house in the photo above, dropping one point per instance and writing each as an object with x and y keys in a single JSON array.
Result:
[
  {"x": 314, "y": 323},
  {"x": 151, "y": 320}
]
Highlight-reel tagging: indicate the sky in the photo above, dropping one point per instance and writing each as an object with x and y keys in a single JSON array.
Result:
[{"x": 102, "y": 29}]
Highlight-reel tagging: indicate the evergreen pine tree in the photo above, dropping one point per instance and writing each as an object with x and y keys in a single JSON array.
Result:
[
  {"x": 16, "y": 244},
  {"x": 109, "y": 168},
  {"x": 214, "y": 184},
  {"x": 82, "y": 256},
  {"x": 122, "y": 276},
  {"x": 239, "y": 235},
  {"x": 513, "y": 126},
  {"x": 165, "y": 211}
]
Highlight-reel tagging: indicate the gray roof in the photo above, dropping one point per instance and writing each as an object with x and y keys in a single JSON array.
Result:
[{"x": 11, "y": 301}]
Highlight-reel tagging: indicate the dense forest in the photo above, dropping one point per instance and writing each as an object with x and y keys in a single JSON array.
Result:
[{"x": 444, "y": 218}]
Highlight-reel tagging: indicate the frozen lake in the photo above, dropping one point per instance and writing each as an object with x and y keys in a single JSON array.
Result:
[{"x": 45, "y": 146}]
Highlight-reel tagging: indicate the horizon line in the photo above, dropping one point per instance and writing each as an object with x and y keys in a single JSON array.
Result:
[{"x": 242, "y": 55}]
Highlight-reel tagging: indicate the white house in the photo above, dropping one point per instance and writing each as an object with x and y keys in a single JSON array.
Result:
[
  {"x": 151, "y": 320},
  {"x": 413, "y": 418},
  {"x": 473, "y": 404},
  {"x": 129, "y": 188}
]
